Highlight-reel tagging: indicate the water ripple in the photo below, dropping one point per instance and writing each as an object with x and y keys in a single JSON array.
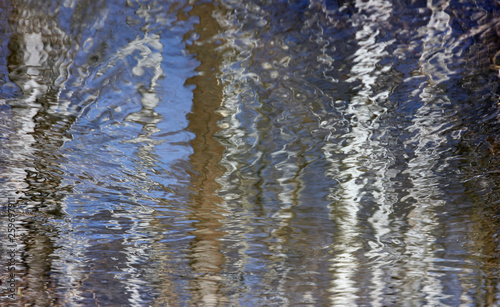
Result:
[{"x": 251, "y": 153}]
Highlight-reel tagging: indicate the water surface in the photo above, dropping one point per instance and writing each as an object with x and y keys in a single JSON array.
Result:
[{"x": 265, "y": 153}]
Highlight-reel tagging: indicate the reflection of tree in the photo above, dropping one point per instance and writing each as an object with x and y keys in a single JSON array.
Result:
[
  {"x": 391, "y": 167},
  {"x": 271, "y": 183},
  {"x": 313, "y": 154},
  {"x": 418, "y": 221},
  {"x": 62, "y": 78},
  {"x": 33, "y": 164},
  {"x": 205, "y": 254}
]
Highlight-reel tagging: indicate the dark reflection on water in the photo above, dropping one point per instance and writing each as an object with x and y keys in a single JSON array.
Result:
[{"x": 250, "y": 153}]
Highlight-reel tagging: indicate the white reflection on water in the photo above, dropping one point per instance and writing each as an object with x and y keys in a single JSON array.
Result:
[
  {"x": 33, "y": 85},
  {"x": 387, "y": 163},
  {"x": 362, "y": 157},
  {"x": 427, "y": 139}
]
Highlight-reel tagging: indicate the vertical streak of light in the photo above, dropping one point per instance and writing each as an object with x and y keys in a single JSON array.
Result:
[
  {"x": 359, "y": 151},
  {"x": 238, "y": 94},
  {"x": 235, "y": 189},
  {"x": 32, "y": 87},
  {"x": 151, "y": 59},
  {"x": 422, "y": 218}
]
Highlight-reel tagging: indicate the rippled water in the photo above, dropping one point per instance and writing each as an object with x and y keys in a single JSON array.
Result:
[{"x": 178, "y": 153}]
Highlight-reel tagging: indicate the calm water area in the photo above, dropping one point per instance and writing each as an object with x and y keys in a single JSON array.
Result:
[{"x": 249, "y": 153}]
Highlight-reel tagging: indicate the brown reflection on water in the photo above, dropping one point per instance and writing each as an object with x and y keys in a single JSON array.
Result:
[{"x": 205, "y": 255}]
